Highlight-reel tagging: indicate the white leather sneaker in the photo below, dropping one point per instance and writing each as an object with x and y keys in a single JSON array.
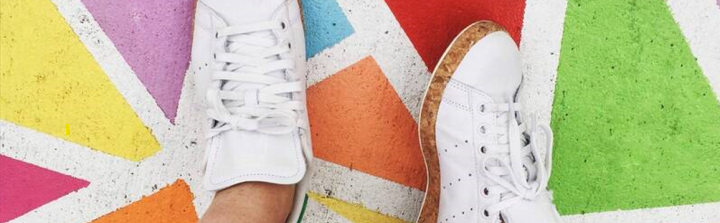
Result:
[
  {"x": 484, "y": 162},
  {"x": 248, "y": 59}
]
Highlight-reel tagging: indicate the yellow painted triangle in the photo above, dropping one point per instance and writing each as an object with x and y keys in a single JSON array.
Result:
[
  {"x": 51, "y": 83},
  {"x": 353, "y": 212}
]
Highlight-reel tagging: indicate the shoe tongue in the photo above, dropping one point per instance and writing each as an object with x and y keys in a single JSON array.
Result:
[
  {"x": 539, "y": 210},
  {"x": 239, "y": 12}
]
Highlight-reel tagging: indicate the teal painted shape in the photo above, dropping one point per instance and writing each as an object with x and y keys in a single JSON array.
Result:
[{"x": 325, "y": 25}]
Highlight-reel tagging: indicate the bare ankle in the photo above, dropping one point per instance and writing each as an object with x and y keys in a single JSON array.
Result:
[{"x": 255, "y": 202}]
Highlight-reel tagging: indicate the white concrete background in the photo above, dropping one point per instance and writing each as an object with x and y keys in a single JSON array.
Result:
[{"x": 116, "y": 182}]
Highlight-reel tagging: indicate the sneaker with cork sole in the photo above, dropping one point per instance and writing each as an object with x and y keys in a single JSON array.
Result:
[
  {"x": 484, "y": 162},
  {"x": 248, "y": 61}
]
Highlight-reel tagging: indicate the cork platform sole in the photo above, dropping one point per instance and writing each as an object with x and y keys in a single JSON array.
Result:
[{"x": 431, "y": 103}]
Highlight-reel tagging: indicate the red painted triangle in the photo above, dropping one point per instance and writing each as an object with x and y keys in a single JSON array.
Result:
[
  {"x": 432, "y": 24},
  {"x": 24, "y": 187}
]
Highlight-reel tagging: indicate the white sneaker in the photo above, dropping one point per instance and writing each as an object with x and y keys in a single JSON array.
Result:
[
  {"x": 490, "y": 167},
  {"x": 248, "y": 58}
]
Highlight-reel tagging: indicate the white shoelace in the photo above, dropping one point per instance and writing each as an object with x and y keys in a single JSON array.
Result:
[
  {"x": 514, "y": 166},
  {"x": 253, "y": 89}
]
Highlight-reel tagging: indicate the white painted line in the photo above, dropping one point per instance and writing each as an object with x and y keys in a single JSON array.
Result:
[
  {"x": 114, "y": 65},
  {"x": 371, "y": 192},
  {"x": 117, "y": 182},
  {"x": 698, "y": 213},
  {"x": 379, "y": 35},
  {"x": 540, "y": 48},
  {"x": 114, "y": 182},
  {"x": 699, "y": 21},
  {"x": 336, "y": 58},
  {"x": 392, "y": 49},
  {"x": 542, "y": 35},
  {"x": 182, "y": 144},
  {"x": 316, "y": 212},
  {"x": 56, "y": 154}
]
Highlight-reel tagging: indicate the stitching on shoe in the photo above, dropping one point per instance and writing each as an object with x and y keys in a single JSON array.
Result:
[
  {"x": 473, "y": 115},
  {"x": 301, "y": 155},
  {"x": 446, "y": 99},
  {"x": 297, "y": 170},
  {"x": 456, "y": 104},
  {"x": 458, "y": 85}
]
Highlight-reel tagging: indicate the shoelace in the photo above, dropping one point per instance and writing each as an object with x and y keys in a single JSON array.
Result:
[
  {"x": 516, "y": 156},
  {"x": 253, "y": 90}
]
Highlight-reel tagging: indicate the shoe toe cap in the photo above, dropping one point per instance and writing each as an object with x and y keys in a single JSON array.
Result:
[{"x": 492, "y": 65}]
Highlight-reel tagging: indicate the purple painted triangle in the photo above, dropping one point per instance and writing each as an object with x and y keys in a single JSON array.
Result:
[
  {"x": 24, "y": 187},
  {"x": 154, "y": 37}
]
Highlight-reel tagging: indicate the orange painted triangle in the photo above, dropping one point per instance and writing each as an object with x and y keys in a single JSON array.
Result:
[
  {"x": 172, "y": 204},
  {"x": 358, "y": 121}
]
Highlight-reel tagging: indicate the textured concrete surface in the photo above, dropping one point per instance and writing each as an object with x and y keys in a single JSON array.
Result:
[
  {"x": 329, "y": 25},
  {"x": 145, "y": 33},
  {"x": 431, "y": 25},
  {"x": 632, "y": 111},
  {"x": 50, "y": 81},
  {"x": 353, "y": 212},
  {"x": 172, "y": 204},
  {"x": 24, "y": 187},
  {"x": 358, "y": 121},
  {"x": 380, "y": 49}
]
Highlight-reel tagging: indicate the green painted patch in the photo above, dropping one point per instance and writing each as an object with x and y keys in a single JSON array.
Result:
[{"x": 636, "y": 123}]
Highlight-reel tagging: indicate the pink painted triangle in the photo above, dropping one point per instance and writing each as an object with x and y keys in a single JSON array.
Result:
[
  {"x": 24, "y": 187},
  {"x": 154, "y": 38}
]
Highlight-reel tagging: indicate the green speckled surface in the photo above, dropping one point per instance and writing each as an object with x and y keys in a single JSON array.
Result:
[{"x": 636, "y": 123}]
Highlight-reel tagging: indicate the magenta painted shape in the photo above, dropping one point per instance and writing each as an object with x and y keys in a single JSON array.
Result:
[
  {"x": 154, "y": 37},
  {"x": 24, "y": 187}
]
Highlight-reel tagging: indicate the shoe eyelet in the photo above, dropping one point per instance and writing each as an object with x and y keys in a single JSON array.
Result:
[
  {"x": 282, "y": 25},
  {"x": 483, "y": 149},
  {"x": 484, "y": 192},
  {"x": 217, "y": 35},
  {"x": 482, "y": 130},
  {"x": 481, "y": 108},
  {"x": 486, "y": 213},
  {"x": 215, "y": 56},
  {"x": 289, "y": 45}
]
